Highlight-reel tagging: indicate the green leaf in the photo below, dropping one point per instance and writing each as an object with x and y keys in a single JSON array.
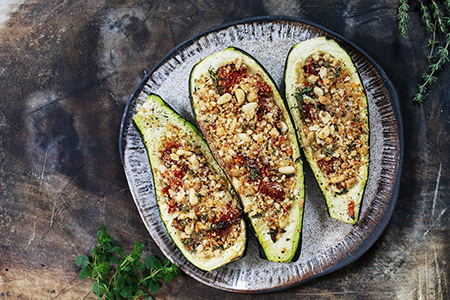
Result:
[
  {"x": 154, "y": 286},
  {"x": 139, "y": 246},
  {"x": 175, "y": 270},
  {"x": 138, "y": 294},
  {"x": 169, "y": 277},
  {"x": 86, "y": 272},
  {"x": 103, "y": 269},
  {"x": 149, "y": 297},
  {"x": 139, "y": 265},
  {"x": 134, "y": 285},
  {"x": 126, "y": 292},
  {"x": 119, "y": 251},
  {"x": 151, "y": 262},
  {"x": 110, "y": 295},
  {"x": 82, "y": 261},
  {"x": 167, "y": 262},
  {"x": 98, "y": 289},
  {"x": 102, "y": 235},
  {"x": 127, "y": 268},
  {"x": 119, "y": 282},
  {"x": 137, "y": 252}
]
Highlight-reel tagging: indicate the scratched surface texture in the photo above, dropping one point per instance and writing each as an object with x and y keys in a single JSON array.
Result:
[{"x": 67, "y": 69}]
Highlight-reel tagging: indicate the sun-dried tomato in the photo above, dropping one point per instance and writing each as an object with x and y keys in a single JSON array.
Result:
[
  {"x": 351, "y": 209},
  {"x": 240, "y": 159},
  {"x": 228, "y": 77},
  {"x": 165, "y": 190},
  {"x": 262, "y": 109},
  {"x": 311, "y": 68},
  {"x": 308, "y": 111},
  {"x": 263, "y": 88},
  {"x": 272, "y": 189},
  {"x": 328, "y": 166}
]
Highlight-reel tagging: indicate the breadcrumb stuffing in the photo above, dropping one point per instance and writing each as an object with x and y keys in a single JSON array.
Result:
[
  {"x": 205, "y": 214},
  {"x": 333, "y": 126},
  {"x": 248, "y": 135}
]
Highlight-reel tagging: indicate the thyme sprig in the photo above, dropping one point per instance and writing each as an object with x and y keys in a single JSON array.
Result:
[
  {"x": 403, "y": 17},
  {"x": 437, "y": 23}
]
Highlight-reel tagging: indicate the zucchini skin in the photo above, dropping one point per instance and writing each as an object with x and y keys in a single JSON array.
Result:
[
  {"x": 152, "y": 122},
  {"x": 268, "y": 249},
  {"x": 346, "y": 206}
]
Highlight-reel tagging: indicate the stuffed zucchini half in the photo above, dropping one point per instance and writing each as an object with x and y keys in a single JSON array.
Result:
[
  {"x": 248, "y": 128},
  {"x": 196, "y": 201},
  {"x": 329, "y": 107}
]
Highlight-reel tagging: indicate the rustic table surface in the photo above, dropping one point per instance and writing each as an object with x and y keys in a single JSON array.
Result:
[{"x": 67, "y": 69}]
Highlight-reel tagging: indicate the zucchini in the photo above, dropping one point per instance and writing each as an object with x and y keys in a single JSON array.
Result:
[
  {"x": 197, "y": 203},
  {"x": 329, "y": 107},
  {"x": 244, "y": 120}
]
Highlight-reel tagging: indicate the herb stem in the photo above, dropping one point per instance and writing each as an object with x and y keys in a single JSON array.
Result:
[
  {"x": 437, "y": 23},
  {"x": 403, "y": 17}
]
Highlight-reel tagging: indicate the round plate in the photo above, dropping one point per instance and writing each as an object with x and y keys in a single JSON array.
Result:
[{"x": 327, "y": 244}]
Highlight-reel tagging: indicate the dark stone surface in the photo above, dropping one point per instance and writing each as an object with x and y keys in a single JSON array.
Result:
[{"x": 67, "y": 69}]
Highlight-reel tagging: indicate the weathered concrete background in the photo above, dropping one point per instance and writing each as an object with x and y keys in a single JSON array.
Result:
[{"x": 67, "y": 69}]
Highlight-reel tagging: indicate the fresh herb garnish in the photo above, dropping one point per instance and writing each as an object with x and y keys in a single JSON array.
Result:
[
  {"x": 351, "y": 146},
  {"x": 342, "y": 192},
  {"x": 299, "y": 95},
  {"x": 257, "y": 215},
  {"x": 438, "y": 28},
  {"x": 330, "y": 150},
  {"x": 338, "y": 72},
  {"x": 254, "y": 173},
  {"x": 215, "y": 77},
  {"x": 118, "y": 276}
]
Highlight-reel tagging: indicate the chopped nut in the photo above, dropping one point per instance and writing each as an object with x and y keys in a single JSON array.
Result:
[
  {"x": 244, "y": 137},
  {"x": 323, "y": 72},
  {"x": 240, "y": 96},
  {"x": 249, "y": 107},
  {"x": 318, "y": 91},
  {"x": 184, "y": 152},
  {"x": 252, "y": 96},
  {"x": 274, "y": 132},
  {"x": 283, "y": 127},
  {"x": 238, "y": 63},
  {"x": 286, "y": 170},
  {"x": 310, "y": 138},
  {"x": 312, "y": 79},
  {"x": 322, "y": 134},
  {"x": 193, "y": 199},
  {"x": 337, "y": 179},
  {"x": 324, "y": 100},
  {"x": 188, "y": 229},
  {"x": 220, "y": 131},
  {"x": 349, "y": 183},
  {"x": 224, "y": 98}
]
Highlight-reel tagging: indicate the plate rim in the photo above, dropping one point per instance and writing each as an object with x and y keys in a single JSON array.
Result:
[{"x": 393, "y": 99}]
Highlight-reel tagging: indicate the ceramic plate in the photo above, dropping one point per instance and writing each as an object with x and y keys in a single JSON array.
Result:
[{"x": 327, "y": 244}]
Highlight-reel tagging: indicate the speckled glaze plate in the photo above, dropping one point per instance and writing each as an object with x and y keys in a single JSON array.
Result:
[{"x": 327, "y": 244}]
